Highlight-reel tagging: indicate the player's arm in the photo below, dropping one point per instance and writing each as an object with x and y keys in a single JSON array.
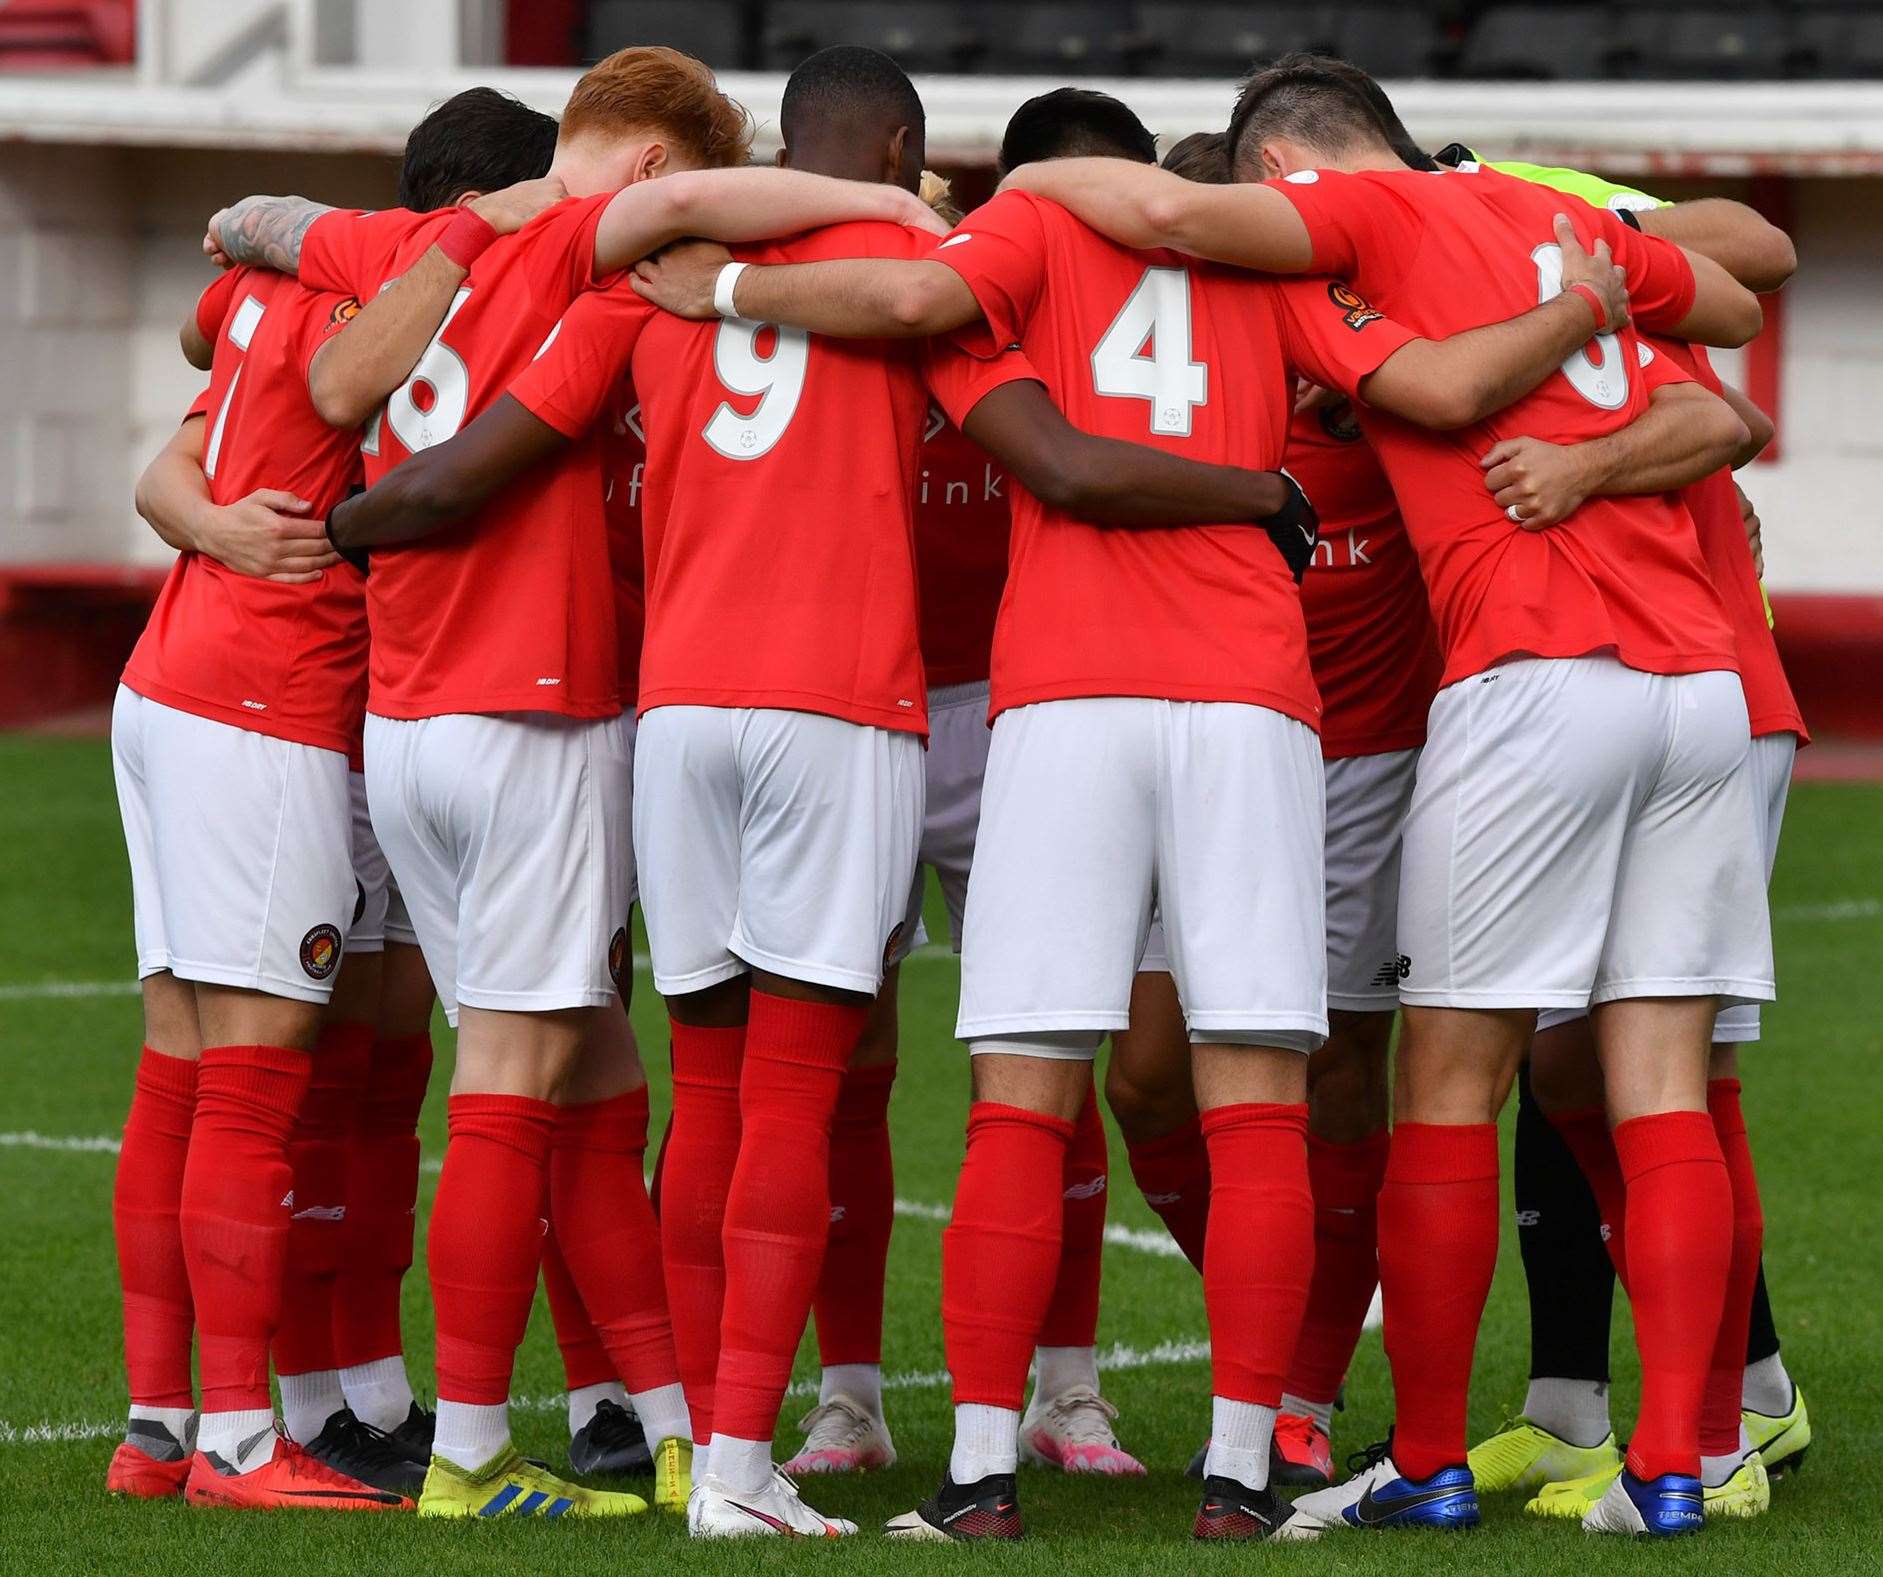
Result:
[
  {"x": 443, "y": 484},
  {"x": 1462, "y": 379},
  {"x": 1140, "y": 205},
  {"x": 1747, "y": 245},
  {"x": 1760, "y": 430},
  {"x": 267, "y": 534},
  {"x": 353, "y": 372},
  {"x": 859, "y": 298},
  {"x": 1685, "y": 434},
  {"x": 755, "y": 204},
  {"x": 266, "y": 231},
  {"x": 1724, "y": 313},
  {"x": 199, "y": 350}
]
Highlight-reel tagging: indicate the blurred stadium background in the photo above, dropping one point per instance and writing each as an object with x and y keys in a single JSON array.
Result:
[{"x": 126, "y": 122}]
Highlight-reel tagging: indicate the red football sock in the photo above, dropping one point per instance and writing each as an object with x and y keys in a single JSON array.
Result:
[
  {"x": 584, "y": 1360},
  {"x": 1071, "y": 1318},
  {"x": 1586, "y": 1133},
  {"x": 235, "y": 1213},
  {"x": 1000, "y": 1252},
  {"x": 1345, "y": 1180},
  {"x": 317, "y": 1153},
  {"x": 696, "y": 1172},
  {"x": 1438, "y": 1251},
  {"x": 778, "y": 1208},
  {"x": 382, "y": 1198},
  {"x": 158, "y": 1318},
  {"x": 486, "y": 1240},
  {"x": 1173, "y": 1174},
  {"x": 605, "y": 1229},
  {"x": 1259, "y": 1257},
  {"x": 849, "y": 1300},
  {"x": 1719, "y": 1412},
  {"x": 1680, "y": 1250}
]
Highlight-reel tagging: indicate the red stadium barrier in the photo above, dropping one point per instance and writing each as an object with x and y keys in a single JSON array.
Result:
[{"x": 54, "y": 35}]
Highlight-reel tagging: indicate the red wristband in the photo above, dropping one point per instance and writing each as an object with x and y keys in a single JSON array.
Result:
[
  {"x": 465, "y": 238},
  {"x": 1587, "y": 292}
]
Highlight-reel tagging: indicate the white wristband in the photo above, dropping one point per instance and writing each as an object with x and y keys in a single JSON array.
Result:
[{"x": 723, "y": 288}]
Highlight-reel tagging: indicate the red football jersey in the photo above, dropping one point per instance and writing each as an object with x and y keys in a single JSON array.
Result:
[
  {"x": 1448, "y": 251},
  {"x": 1189, "y": 357},
  {"x": 1713, "y": 502},
  {"x": 962, "y": 525},
  {"x": 277, "y": 659},
  {"x": 513, "y": 610},
  {"x": 1370, "y": 638},
  {"x": 579, "y": 386}
]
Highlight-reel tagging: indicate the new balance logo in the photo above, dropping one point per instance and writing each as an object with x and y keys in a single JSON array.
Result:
[
  {"x": 1089, "y": 1190},
  {"x": 1154, "y": 1200},
  {"x": 1392, "y": 971},
  {"x": 321, "y": 1213},
  {"x": 836, "y": 1214}
]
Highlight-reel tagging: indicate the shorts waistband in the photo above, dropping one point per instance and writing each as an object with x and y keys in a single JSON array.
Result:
[{"x": 952, "y": 695}]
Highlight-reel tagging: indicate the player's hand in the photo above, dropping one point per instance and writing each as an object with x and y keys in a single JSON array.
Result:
[
  {"x": 681, "y": 277},
  {"x": 1295, "y": 528},
  {"x": 509, "y": 210},
  {"x": 1754, "y": 539},
  {"x": 1535, "y": 483},
  {"x": 1312, "y": 397},
  {"x": 268, "y": 535},
  {"x": 917, "y": 215},
  {"x": 1595, "y": 269},
  {"x": 212, "y": 241}
]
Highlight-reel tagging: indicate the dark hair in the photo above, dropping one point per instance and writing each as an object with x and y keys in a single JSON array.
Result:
[
  {"x": 1200, "y": 157},
  {"x": 847, "y": 82},
  {"x": 479, "y": 140},
  {"x": 1071, "y": 123},
  {"x": 1310, "y": 99},
  {"x": 1362, "y": 83}
]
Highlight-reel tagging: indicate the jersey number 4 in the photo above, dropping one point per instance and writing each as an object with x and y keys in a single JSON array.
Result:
[
  {"x": 1145, "y": 354},
  {"x": 776, "y": 377}
]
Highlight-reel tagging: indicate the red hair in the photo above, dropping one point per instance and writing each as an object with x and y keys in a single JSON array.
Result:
[{"x": 660, "y": 90}]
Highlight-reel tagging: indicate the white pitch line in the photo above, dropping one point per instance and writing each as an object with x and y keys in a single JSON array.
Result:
[
  {"x": 1845, "y": 909},
  {"x": 92, "y": 1144}
]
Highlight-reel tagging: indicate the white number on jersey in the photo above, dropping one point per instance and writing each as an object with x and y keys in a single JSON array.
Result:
[
  {"x": 778, "y": 380},
  {"x": 442, "y": 370},
  {"x": 1158, "y": 310},
  {"x": 241, "y": 330},
  {"x": 1602, "y": 383}
]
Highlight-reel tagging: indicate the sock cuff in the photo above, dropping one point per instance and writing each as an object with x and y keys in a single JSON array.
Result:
[
  {"x": 1581, "y": 1117},
  {"x": 1180, "y": 1143},
  {"x": 1722, "y": 1103},
  {"x": 1281, "y": 1117},
  {"x": 809, "y": 1034},
  {"x": 1646, "y": 1144},
  {"x": 708, "y": 1057},
  {"x": 985, "y": 1115},
  {"x": 345, "y": 1040},
  {"x": 397, "y": 1076},
  {"x": 165, "y": 1077},
  {"x": 1348, "y": 1176},
  {"x": 275, "y": 1076},
  {"x": 617, "y": 1123},
  {"x": 863, "y": 1098},
  {"x": 518, "y": 1121},
  {"x": 1443, "y": 1153}
]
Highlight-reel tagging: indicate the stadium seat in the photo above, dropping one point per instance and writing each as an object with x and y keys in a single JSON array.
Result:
[
  {"x": 1708, "y": 43},
  {"x": 50, "y": 35},
  {"x": 1388, "y": 40},
  {"x": 712, "y": 30},
  {"x": 1058, "y": 40},
  {"x": 1841, "y": 41},
  {"x": 1539, "y": 43},
  {"x": 1226, "y": 40},
  {"x": 921, "y": 36}
]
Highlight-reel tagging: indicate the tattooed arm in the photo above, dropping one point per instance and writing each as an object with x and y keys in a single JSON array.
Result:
[{"x": 265, "y": 231}]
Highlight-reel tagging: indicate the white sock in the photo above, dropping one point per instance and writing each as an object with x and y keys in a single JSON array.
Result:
[
  {"x": 1715, "y": 1471},
  {"x": 244, "y": 1439},
  {"x": 378, "y": 1392},
  {"x": 1240, "y": 1434},
  {"x": 1057, "y": 1370},
  {"x": 743, "y": 1466},
  {"x": 1767, "y": 1388},
  {"x": 702, "y": 1459},
  {"x": 663, "y": 1413},
  {"x": 308, "y": 1401},
  {"x": 1572, "y": 1410},
  {"x": 861, "y": 1382},
  {"x": 470, "y": 1433},
  {"x": 179, "y": 1421},
  {"x": 987, "y": 1441},
  {"x": 1321, "y": 1412},
  {"x": 584, "y": 1399}
]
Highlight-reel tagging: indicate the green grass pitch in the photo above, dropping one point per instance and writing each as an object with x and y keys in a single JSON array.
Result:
[{"x": 65, "y": 917}]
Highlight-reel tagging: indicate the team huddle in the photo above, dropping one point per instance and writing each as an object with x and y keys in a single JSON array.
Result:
[{"x": 615, "y": 521}]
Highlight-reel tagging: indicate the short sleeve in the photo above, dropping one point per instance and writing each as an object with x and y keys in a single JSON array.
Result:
[
  {"x": 212, "y": 306},
  {"x": 1357, "y": 227},
  {"x": 959, "y": 382},
  {"x": 999, "y": 251},
  {"x": 1331, "y": 336},
  {"x": 327, "y": 314},
  {"x": 198, "y": 407},
  {"x": 565, "y": 235},
  {"x": 1661, "y": 364},
  {"x": 1661, "y": 286},
  {"x": 582, "y": 363}
]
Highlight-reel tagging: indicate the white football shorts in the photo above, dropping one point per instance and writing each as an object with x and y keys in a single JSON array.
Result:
[
  {"x": 1769, "y": 761},
  {"x": 953, "y": 767},
  {"x": 241, "y": 865},
  {"x": 372, "y": 877},
  {"x": 774, "y": 840},
  {"x": 1099, "y": 809},
  {"x": 509, "y": 838},
  {"x": 1582, "y": 832}
]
